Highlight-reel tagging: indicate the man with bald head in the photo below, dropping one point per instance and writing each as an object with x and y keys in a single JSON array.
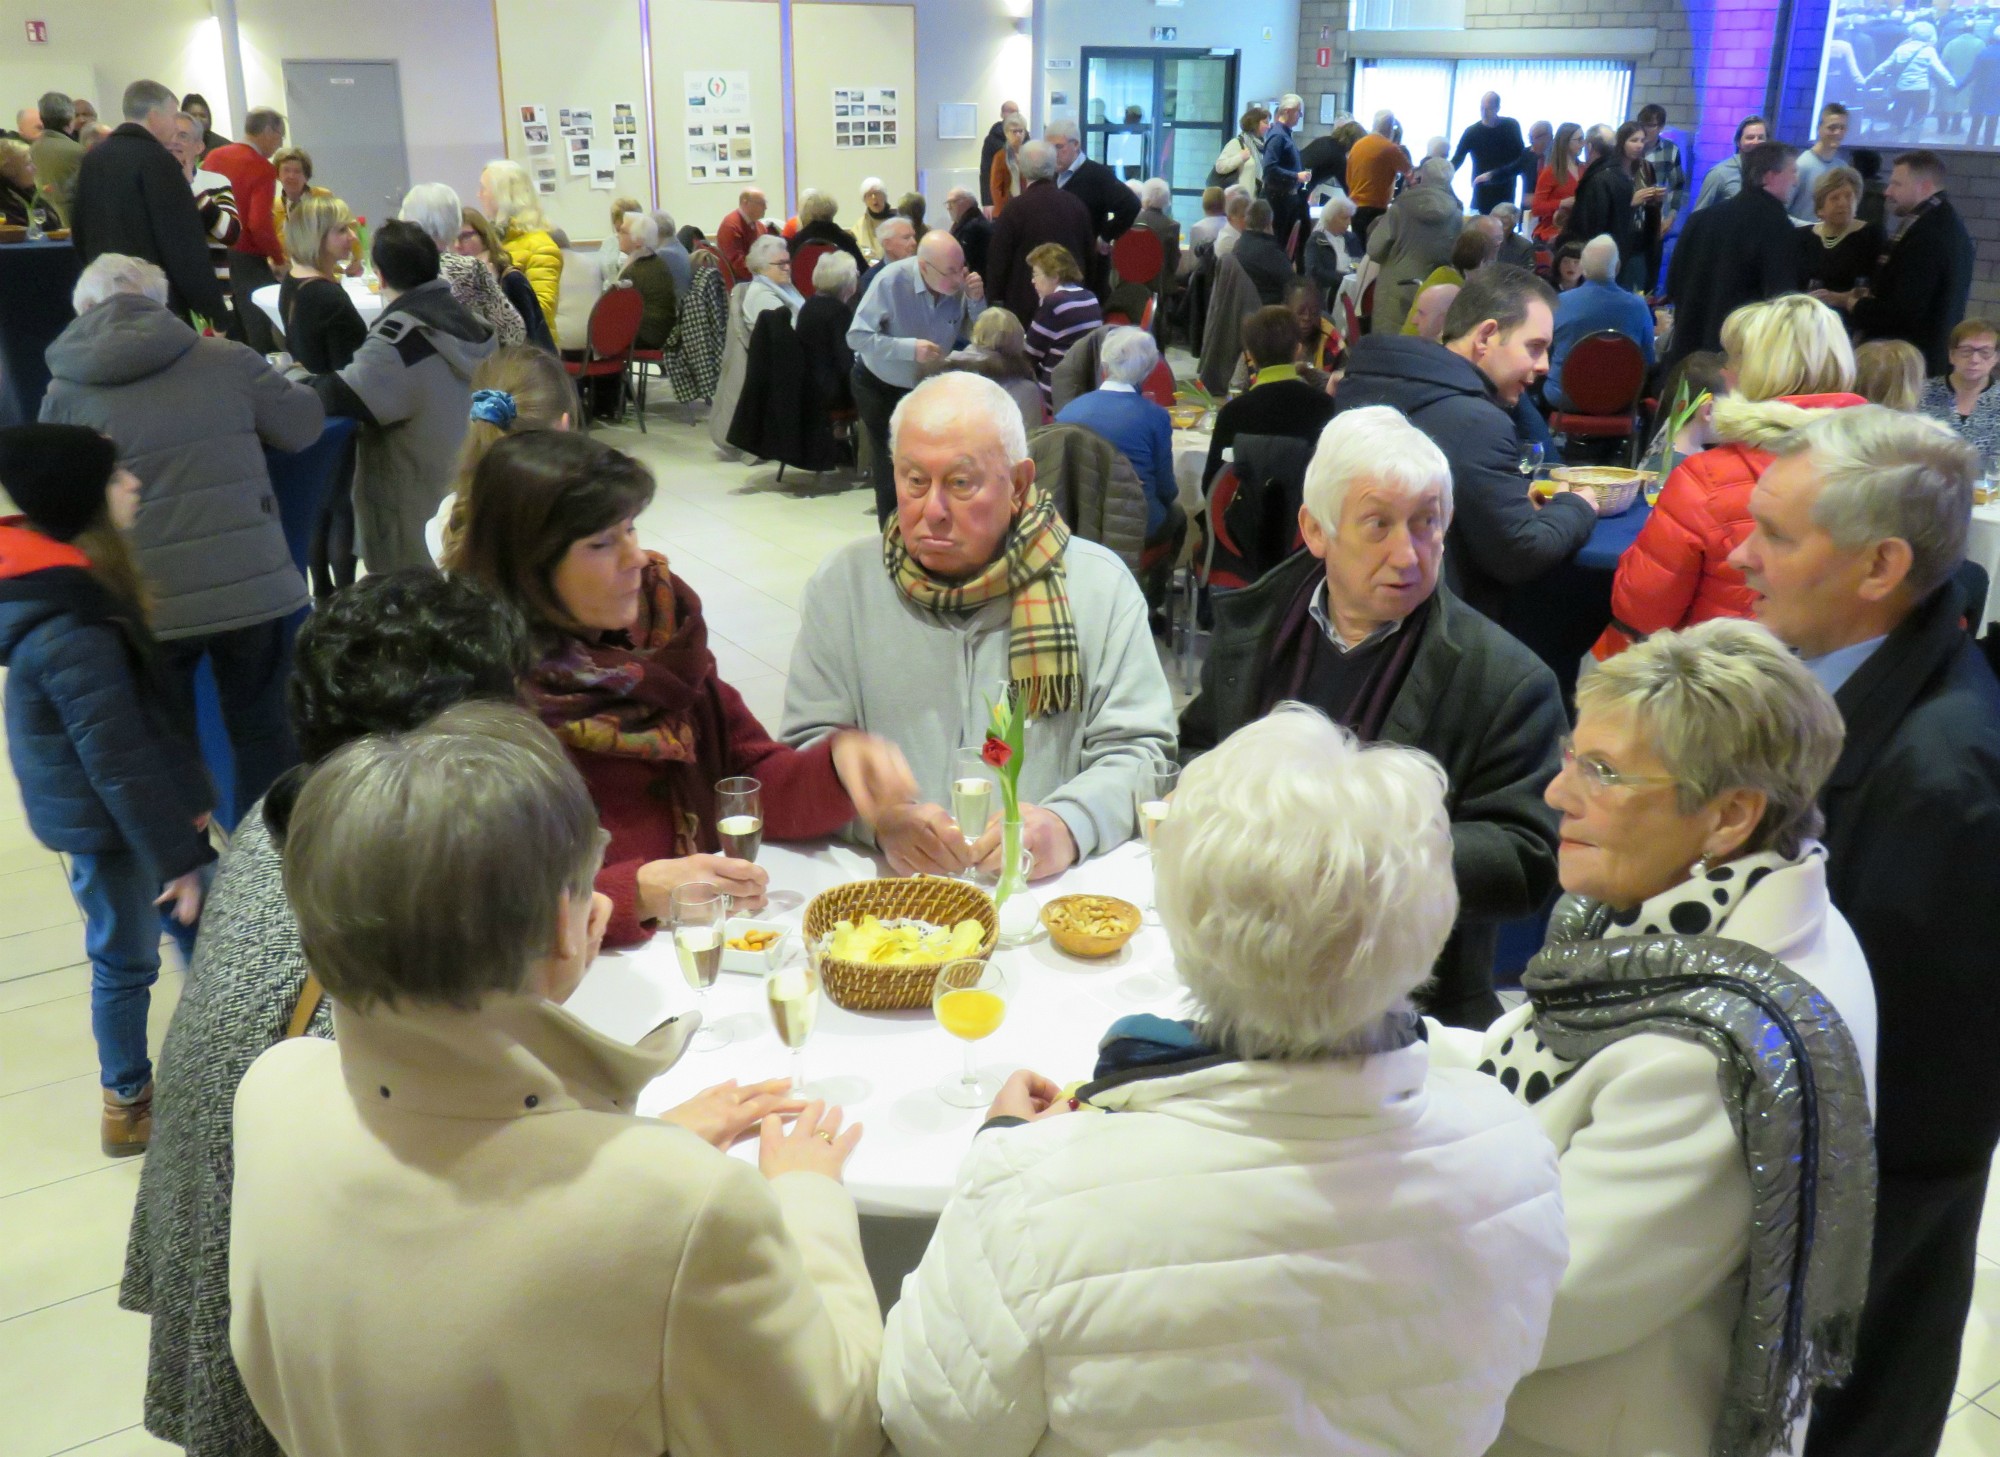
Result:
[
  {"x": 970, "y": 226},
  {"x": 739, "y": 230},
  {"x": 1495, "y": 146},
  {"x": 976, "y": 583},
  {"x": 1428, "y": 313},
  {"x": 920, "y": 304},
  {"x": 28, "y": 123}
]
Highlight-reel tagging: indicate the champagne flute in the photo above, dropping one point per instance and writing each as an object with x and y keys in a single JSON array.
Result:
[
  {"x": 972, "y": 790},
  {"x": 792, "y": 995},
  {"x": 1150, "y": 799},
  {"x": 739, "y": 808},
  {"x": 698, "y": 910},
  {"x": 969, "y": 1000}
]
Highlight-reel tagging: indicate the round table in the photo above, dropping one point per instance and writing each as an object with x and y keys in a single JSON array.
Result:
[
  {"x": 883, "y": 1067},
  {"x": 1190, "y": 460},
  {"x": 367, "y": 302}
]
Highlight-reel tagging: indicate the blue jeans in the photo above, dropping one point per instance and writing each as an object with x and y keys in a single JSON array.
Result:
[
  {"x": 115, "y": 891},
  {"x": 251, "y": 666}
]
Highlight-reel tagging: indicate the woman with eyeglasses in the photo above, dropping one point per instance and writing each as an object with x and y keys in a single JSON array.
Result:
[
  {"x": 1964, "y": 397},
  {"x": 1699, "y": 1045}
]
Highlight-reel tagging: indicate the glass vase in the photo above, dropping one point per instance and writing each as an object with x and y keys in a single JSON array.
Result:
[{"x": 1020, "y": 911}]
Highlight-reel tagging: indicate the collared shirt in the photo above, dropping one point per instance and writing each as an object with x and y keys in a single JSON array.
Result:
[
  {"x": 1118, "y": 387},
  {"x": 1063, "y": 177},
  {"x": 1835, "y": 668},
  {"x": 1273, "y": 372},
  {"x": 1670, "y": 172},
  {"x": 900, "y": 309},
  {"x": 1317, "y": 607}
]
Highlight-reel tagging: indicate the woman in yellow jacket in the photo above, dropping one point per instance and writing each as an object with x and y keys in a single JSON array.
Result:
[{"x": 507, "y": 195}]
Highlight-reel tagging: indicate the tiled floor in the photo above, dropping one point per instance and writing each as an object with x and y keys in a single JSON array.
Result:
[{"x": 71, "y": 1363}]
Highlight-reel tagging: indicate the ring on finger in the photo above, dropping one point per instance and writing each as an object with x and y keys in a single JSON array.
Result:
[{"x": 822, "y": 1133}]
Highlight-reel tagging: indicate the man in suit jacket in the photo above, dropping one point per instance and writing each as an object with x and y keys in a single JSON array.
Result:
[
  {"x": 132, "y": 198},
  {"x": 1920, "y": 293},
  {"x": 1737, "y": 252},
  {"x": 1043, "y": 213},
  {"x": 970, "y": 226},
  {"x": 1912, "y": 812},
  {"x": 1112, "y": 205},
  {"x": 996, "y": 142},
  {"x": 739, "y": 230}
]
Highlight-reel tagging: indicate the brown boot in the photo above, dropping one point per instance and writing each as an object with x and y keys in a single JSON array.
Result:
[{"x": 128, "y": 1123}]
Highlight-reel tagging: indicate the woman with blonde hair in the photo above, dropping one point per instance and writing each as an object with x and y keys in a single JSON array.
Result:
[
  {"x": 322, "y": 326},
  {"x": 1789, "y": 362},
  {"x": 816, "y": 225},
  {"x": 294, "y": 166},
  {"x": 1841, "y": 249},
  {"x": 507, "y": 195},
  {"x": 999, "y": 350},
  {"x": 513, "y": 390},
  {"x": 1889, "y": 372}
]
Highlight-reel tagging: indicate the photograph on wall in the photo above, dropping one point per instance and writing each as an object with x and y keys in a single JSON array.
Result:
[
  {"x": 563, "y": 118},
  {"x": 579, "y": 156},
  {"x": 535, "y": 116},
  {"x": 888, "y": 134},
  {"x": 581, "y": 119},
  {"x": 624, "y": 121},
  {"x": 628, "y": 150},
  {"x": 603, "y": 172},
  {"x": 537, "y": 137},
  {"x": 579, "y": 144},
  {"x": 546, "y": 176}
]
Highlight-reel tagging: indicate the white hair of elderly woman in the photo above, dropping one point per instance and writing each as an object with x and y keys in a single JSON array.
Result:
[
  {"x": 1600, "y": 259},
  {"x": 1437, "y": 147},
  {"x": 1338, "y": 207},
  {"x": 110, "y": 274},
  {"x": 1374, "y": 443},
  {"x": 1434, "y": 171},
  {"x": 1305, "y": 882},
  {"x": 1504, "y": 213},
  {"x": 643, "y": 230},
  {"x": 969, "y": 399},
  {"x": 1037, "y": 161},
  {"x": 436, "y": 209},
  {"x": 1156, "y": 194},
  {"x": 873, "y": 184},
  {"x": 766, "y": 251},
  {"x": 835, "y": 274},
  {"x": 1128, "y": 355}
]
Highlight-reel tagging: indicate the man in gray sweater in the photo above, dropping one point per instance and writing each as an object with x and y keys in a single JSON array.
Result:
[{"x": 976, "y": 588}]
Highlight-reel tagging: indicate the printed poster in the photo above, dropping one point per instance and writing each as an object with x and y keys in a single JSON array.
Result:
[
  {"x": 720, "y": 140},
  {"x": 865, "y": 116}
]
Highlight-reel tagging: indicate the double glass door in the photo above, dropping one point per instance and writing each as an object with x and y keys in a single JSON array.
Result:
[{"x": 1159, "y": 113}]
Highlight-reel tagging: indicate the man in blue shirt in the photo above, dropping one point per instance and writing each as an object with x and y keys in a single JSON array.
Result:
[
  {"x": 1143, "y": 433},
  {"x": 912, "y": 315},
  {"x": 1285, "y": 172},
  {"x": 1596, "y": 304}
]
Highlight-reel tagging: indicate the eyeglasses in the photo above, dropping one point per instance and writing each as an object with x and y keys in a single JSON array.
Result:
[
  {"x": 1597, "y": 775},
  {"x": 1975, "y": 351}
]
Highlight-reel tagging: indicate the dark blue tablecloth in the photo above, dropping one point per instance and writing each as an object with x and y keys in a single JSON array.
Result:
[
  {"x": 36, "y": 280},
  {"x": 1561, "y": 615}
]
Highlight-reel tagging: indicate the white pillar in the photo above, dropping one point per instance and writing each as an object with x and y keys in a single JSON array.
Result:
[{"x": 232, "y": 62}]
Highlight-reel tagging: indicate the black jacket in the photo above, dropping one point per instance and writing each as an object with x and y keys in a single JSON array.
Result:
[
  {"x": 1263, "y": 258},
  {"x": 996, "y": 141},
  {"x": 831, "y": 233},
  {"x": 822, "y": 332},
  {"x": 1043, "y": 213},
  {"x": 1912, "y": 832},
  {"x": 1477, "y": 701},
  {"x": 1919, "y": 294},
  {"x": 1498, "y": 538},
  {"x": 1732, "y": 253},
  {"x": 1112, "y": 206},
  {"x": 1604, "y": 206},
  {"x": 780, "y": 416},
  {"x": 132, "y": 198},
  {"x": 975, "y": 235}
]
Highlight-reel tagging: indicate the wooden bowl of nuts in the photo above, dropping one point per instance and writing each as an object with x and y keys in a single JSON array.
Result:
[{"x": 1090, "y": 926}]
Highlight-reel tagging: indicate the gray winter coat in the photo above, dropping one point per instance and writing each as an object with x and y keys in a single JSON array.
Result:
[
  {"x": 410, "y": 386},
  {"x": 1413, "y": 237},
  {"x": 191, "y": 417}
]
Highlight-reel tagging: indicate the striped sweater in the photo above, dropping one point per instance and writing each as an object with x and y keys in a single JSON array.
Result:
[
  {"x": 215, "y": 199},
  {"x": 1065, "y": 316}
]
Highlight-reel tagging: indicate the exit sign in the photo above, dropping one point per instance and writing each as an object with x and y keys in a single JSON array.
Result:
[
  {"x": 1323, "y": 57},
  {"x": 38, "y": 32}
]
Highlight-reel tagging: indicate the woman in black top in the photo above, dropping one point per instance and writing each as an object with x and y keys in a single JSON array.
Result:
[
  {"x": 322, "y": 327},
  {"x": 816, "y": 225},
  {"x": 1839, "y": 252}
]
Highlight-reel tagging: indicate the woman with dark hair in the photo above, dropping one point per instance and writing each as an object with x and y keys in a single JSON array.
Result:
[
  {"x": 1616, "y": 198},
  {"x": 480, "y": 239},
  {"x": 196, "y": 106},
  {"x": 1557, "y": 181},
  {"x": 625, "y": 678}
]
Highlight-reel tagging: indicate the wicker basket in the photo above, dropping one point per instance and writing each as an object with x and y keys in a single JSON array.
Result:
[
  {"x": 860, "y": 987},
  {"x": 1084, "y": 944},
  {"x": 1615, "y": 487}
]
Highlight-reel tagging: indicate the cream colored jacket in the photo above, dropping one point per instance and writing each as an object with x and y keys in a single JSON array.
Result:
[{"x": 452, "y": 1236}]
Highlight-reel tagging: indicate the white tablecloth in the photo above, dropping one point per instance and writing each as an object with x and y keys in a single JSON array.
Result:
[
  {"x": 883, "y": 1067},
  {"x": 1982, "y": 544},
  {"x": 367, "y": 302},
  {"x": 1190, "y": 459}
]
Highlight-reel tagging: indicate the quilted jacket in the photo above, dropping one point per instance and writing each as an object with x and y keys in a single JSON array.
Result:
[
  {"x": 100, "y": 764},
  {"x": 1094, "y": 486},
  {"x": 535, "y": 253},
  {"x": 1677, "y": 573}
]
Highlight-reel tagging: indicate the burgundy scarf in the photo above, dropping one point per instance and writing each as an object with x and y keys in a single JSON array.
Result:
[
  {"x": 1299, "y": 637},
  {"x": 655, "y": 701}
]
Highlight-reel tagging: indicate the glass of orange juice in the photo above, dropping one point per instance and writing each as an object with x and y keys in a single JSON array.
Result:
[{"x": 970, "y": 1002}]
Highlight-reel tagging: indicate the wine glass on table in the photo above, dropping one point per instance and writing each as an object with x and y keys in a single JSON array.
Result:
[
  {"x": 698, "y": 911},
  {"x": 1531, "y": 458},
  {"x": 969, "y": 1000},
  {"x": 1150, "y": 799},
  {"x": 972, "y": 790},
  {"x": 739, "y": 817},
  {"x": 792, "y": 995}
]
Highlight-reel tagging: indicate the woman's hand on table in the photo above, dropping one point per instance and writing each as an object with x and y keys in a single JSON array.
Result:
[
  {"x": 726, "y": 1114},
  {"x": 741, "y": 880},
  {"x": 1028, "y": 1096},
  {"x": 874, "y": 774},
  {"x": 921, "y": 839},
  {"x": 814, "y": 1144},
  {"x": 1043, "y": 835}
]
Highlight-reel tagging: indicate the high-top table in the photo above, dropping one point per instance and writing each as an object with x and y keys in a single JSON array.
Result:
[
  {"x": 883, "y": 1067},
  {"x": 36, "y": 281}
]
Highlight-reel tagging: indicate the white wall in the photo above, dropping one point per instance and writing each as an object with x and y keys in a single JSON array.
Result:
[
  {"x": 1266, "y": 32},
  {"x": 854, "y": 45},
  {"x": 96, "y": 48}
]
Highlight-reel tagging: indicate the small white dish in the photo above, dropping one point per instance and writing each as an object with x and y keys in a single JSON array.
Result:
[{"x": 754, "y": 963}]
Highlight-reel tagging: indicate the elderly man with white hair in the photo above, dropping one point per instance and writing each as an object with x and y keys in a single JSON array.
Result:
[
  {"x": 1285, "y": 172},
  {"x": 977, "y": 588},
  {"x": 1109, "y": 201},
  {"x": 1596, "y": 305},
  {"x": 970, "y": 226},
  {"x": 1236, "y": 200},
  {"x": 435, "y": 207},
  {"x": 1156, "y": 202},
  {"x": 1359, "y": 625},
  {"x": 1144, "y": 435},
  {"x": 1299, "y": 1233},
  {"x": 911, "y": 315},
  {"x": 1041, "y": 213}
]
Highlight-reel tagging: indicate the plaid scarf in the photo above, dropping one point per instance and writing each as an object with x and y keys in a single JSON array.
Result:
[{"x": 1044, "y": 664}]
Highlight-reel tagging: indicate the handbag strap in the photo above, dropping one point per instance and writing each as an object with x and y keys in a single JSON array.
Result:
[{"x": 302, "y": 1014}]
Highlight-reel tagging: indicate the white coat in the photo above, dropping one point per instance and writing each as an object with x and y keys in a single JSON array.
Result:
[
  {"x": 1658, "y": 1202},
  {"x": 1350, "y": 1256}
]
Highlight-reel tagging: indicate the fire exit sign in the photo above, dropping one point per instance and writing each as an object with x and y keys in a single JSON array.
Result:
[
  {"x": 1323, "y": 57},
  {"x": 38, "y": 32}
]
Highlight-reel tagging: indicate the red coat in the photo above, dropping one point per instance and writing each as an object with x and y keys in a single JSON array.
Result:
[
  {"x": 1549, "y": 195},
  {"x": 1676, "y": 572},
  {"x": 254, "y": 183},
  {"x": 733, "y": 240}
]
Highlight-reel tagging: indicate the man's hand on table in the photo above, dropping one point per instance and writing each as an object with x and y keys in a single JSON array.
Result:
[
  {"x": 921, "y": 839},
  {"x": 726, "y": 1114},
  {"x": 874, "y": 774},
  {"x": 1028, "y": 1096},
  {"x": 741, "y": 880},
  {"x": 1043, "y": 835}
]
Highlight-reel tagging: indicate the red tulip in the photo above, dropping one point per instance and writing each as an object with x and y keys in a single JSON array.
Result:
[{"x": 996, "y": 752}]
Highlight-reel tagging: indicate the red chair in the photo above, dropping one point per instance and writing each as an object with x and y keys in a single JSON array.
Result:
[
  {"x": 1602, "y": 377},
  {"x": 1159, "y": 386},
  {"x": 614, "y": 324},
  {"x": 803, "y": 263},
  {"x": 1138, "y": 256}
]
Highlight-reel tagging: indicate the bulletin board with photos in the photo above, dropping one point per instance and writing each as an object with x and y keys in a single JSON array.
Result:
[
  {"x": 865, "y": 116},
  {"x": 573, "y": 137}
]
